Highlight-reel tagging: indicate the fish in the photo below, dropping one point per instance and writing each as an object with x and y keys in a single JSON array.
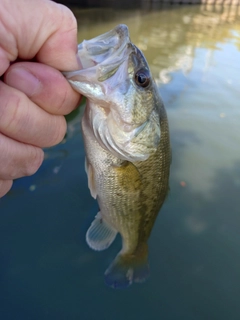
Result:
[{"x": 127, "y": 146}]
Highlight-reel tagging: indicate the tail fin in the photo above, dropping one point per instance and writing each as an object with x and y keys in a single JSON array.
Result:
[{"x": 128, "y": 268}]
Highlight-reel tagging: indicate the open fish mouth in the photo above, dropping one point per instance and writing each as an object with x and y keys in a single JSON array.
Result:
[
  {"x": 101, "y": 56},
  {"x": 99, "y": 49},
  {"x": 104, "y": 69}
]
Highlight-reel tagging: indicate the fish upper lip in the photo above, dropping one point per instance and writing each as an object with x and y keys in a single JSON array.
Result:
[
  {"x": 99, "y": 49},
  {"x": 102, "y": 55}
]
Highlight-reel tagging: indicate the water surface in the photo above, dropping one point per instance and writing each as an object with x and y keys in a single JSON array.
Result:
[{"x": 46, "y": 269}]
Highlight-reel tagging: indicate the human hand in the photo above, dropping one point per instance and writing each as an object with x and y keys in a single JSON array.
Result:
[{"x": 34, "y": 95}]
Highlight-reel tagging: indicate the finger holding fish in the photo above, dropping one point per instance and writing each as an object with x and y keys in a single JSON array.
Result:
[{"x": 40, "y": 83}]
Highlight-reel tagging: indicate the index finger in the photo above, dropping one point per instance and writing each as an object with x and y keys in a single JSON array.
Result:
[
  {"x": 39, "y": 28},
  {"x": 60, "y": 49}
]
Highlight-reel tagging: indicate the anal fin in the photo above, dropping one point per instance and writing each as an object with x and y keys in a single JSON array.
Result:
[{"x": 100, "y": 234}]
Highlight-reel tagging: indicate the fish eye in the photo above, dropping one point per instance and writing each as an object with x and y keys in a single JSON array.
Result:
[{"x": 142, "y": 78}]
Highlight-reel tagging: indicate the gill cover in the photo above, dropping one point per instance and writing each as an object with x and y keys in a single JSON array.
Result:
[{"x": 122, "y": 113}]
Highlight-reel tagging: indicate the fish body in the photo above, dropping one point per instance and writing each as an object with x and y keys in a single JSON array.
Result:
[{"x": 126, "y": 139}]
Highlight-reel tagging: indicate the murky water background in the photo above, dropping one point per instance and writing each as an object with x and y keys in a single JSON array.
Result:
[{"x": 46, "y": 269}]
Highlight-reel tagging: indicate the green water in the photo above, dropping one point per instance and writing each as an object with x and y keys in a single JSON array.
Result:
[{"x": 46, "y": 269}]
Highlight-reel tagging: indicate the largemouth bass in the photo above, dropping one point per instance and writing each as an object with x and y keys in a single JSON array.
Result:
[{"x": 126, "y": 139}]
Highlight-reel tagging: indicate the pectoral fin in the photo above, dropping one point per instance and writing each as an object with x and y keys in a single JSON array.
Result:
[
  {"x": 91, "y": 181},
  {"x": 100, "y": 234}
]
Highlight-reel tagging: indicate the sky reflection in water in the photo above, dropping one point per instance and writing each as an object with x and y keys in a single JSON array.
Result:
[{"x": 46, "y": 269}]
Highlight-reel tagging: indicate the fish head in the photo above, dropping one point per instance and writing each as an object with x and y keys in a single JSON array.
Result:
[{"x": 124, "y": 100}]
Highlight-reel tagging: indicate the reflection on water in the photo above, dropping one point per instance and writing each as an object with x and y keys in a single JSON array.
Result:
[{"x": 48, "y": 272}]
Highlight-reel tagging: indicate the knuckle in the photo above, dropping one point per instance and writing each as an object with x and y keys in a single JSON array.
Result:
[
  {"x": 18, "y": 159},
  {"x": 67, "y": 99},
  {"x": 69, "y": 17},
  {"x": 5, "y": 186},
  {"x": 63, "y": 101},
  {"x": 65, "y": 18},
  {"x": 11, "y": 113},
  {"x": 60, "y": 126},
  {"x": 34, "y": 161}
]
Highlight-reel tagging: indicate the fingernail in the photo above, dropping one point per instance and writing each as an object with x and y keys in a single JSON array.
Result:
[{"x": 23, "y": 80}]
